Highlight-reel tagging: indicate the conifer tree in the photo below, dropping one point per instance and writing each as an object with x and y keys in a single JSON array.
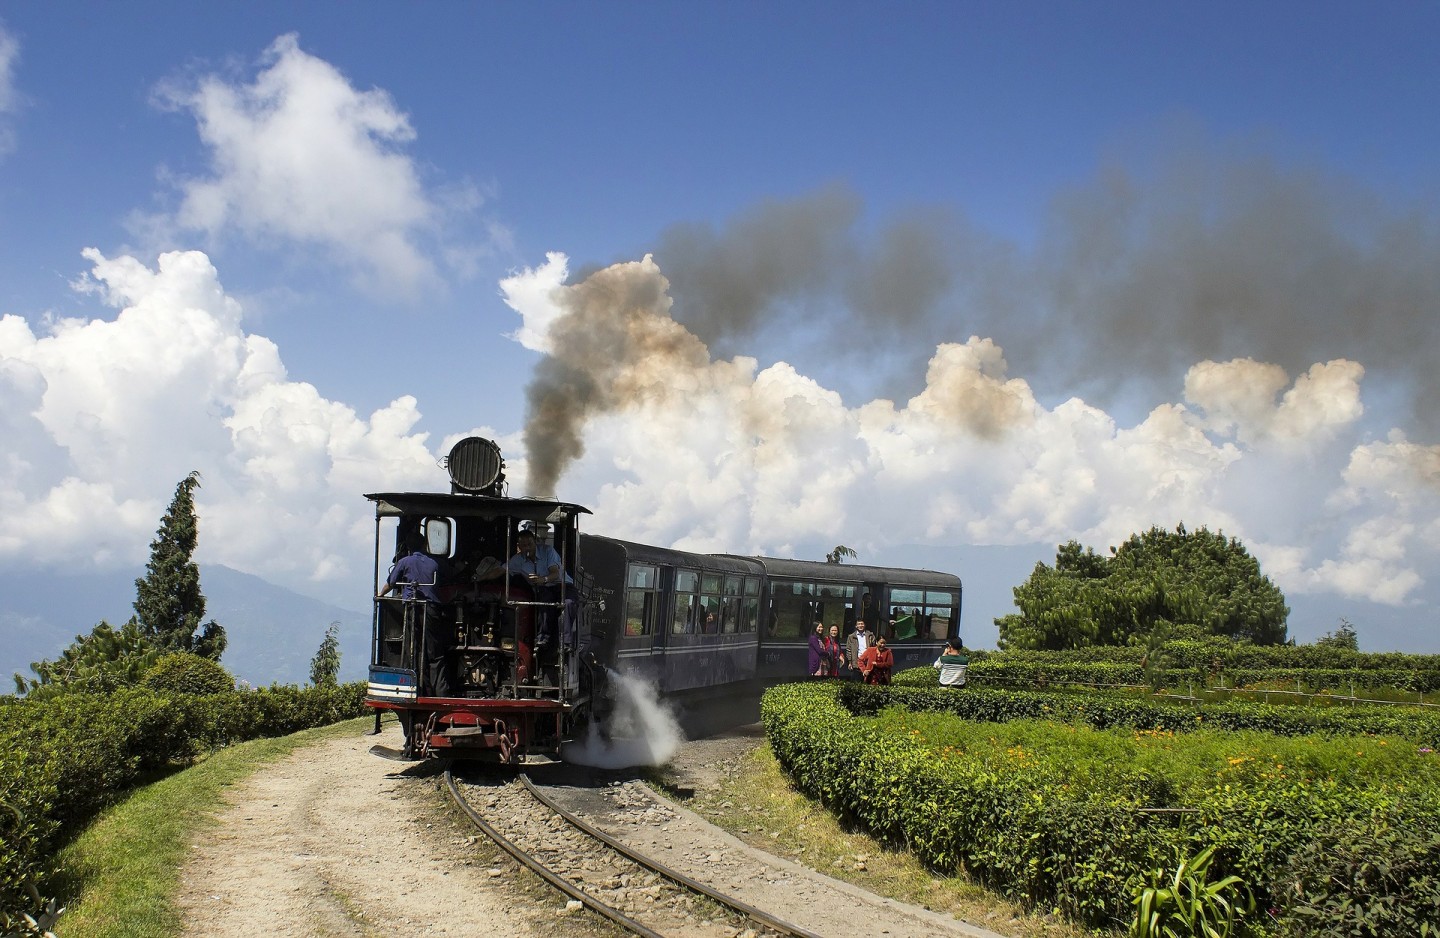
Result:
[
  {"x": 325, "y": 666},
  {"x": 168, "y": 601},
  {"x": 104, "y": 660}
]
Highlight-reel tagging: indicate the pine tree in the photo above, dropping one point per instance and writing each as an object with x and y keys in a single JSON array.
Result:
[
  {"x": 325, "y": 666},
  {"x": 103, "y": 661},
  {"x": 168, "y": 601}
]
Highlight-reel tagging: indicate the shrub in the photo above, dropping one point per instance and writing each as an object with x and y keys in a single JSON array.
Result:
[
  {"x": 1057, "y": 815},
  {"x": 1370, "y": 878},
  {"x": 185, "y": 673},
  {"x": 1185, "y": 902}
]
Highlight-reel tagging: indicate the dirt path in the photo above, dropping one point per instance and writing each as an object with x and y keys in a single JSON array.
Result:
[
  {"x": 332, "y": 841},
  {"x": 336, "y": 842}
]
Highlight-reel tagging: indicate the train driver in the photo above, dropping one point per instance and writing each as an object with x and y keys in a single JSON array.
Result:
[{"x": 540, "y": 565}]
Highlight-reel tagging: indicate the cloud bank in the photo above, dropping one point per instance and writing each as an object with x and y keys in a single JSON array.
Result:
[
  {"x": 710, "y": 453},
  {"x": 105, "y": 416}
]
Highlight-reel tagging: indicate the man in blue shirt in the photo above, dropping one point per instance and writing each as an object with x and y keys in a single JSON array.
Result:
[
  {"x": 415, "y": 570},
  {"x": 416, "y": 573},
  {"x": 541, "y": 567}
]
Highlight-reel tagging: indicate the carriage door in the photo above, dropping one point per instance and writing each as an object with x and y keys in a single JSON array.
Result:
[{"x": 641, "y": 630}]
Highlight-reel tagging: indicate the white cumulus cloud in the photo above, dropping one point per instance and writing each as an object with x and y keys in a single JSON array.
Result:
[
  {"x": 301, "y": 155},
  {"x": 109, "y": 414}
]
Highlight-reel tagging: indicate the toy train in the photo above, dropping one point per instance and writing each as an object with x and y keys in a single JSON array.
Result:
[{"x": 464, "y": 661}]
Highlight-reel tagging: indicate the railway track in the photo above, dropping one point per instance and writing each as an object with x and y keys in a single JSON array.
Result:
[{"x": 634, "y": 891}]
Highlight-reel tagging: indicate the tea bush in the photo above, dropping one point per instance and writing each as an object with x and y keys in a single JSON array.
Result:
[
  {"x": 1061, "y": 815},
  {"x": 185, "y": 673},
  {"x": 1370, "y": 878},
  {"x": 1180, "y": 663},
  {"x": 1103, "y": 710}
]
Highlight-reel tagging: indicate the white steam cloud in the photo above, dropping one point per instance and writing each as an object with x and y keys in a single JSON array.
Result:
[{"x": 641, "y": 730}]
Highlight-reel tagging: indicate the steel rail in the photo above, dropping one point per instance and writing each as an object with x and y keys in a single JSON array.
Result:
[
  {"x": 539, "y": 869},
  {"x": 729, "y": 902}
]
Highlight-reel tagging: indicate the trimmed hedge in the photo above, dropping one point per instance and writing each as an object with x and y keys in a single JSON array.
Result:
[
  {"x": 1176, "y": 663},
  {"x": 65, "y": 758},
  {"x": 1047, "y": 840},
  {"x": 1102, "y": 711}
]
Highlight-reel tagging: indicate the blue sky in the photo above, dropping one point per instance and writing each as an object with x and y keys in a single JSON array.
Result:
[{"x": 921, "y": 274}]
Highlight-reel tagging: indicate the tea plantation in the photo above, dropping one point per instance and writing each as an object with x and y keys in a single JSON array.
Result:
[{"x": 1072, "y": 800}]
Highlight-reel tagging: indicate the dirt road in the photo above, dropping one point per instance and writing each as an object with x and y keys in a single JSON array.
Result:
[{"x": 333, "y": 841}]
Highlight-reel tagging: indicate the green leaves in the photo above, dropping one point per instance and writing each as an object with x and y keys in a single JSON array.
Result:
[
  {"x": 64, "y": 758},
  {"x": 1022, "y": 794},
  {"x": 325, "y": 666},
  {"x": 1187, "y": 905},
  {"x": 1155, "y": 580}
]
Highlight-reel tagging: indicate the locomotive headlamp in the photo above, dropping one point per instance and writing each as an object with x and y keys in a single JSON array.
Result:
[{"x": 475, "y": 466}]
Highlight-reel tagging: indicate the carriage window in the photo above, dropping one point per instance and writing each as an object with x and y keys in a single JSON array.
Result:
[
  {"x": 687, "y": 603},
  {"x": 731, "y": 621},
  {"x": 642, "y": 599},
  {"x": 920, "y": 615},
  {"x": 750, "y": 605},
  {"x": 790, "y": 609}
]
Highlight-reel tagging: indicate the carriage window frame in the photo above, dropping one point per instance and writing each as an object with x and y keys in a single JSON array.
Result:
[
  {"x": 685, "y": 605},
  {"x": 642, "y": 595},
  {"x": 930, "y": 609}
]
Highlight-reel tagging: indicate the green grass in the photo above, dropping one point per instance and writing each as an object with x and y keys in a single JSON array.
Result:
[{"x": 122, "y": 872}]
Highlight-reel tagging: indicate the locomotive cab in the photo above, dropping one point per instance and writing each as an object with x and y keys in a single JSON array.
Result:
[{"x": 456, "y": 628}]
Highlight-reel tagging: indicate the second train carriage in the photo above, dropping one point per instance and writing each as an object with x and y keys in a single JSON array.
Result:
[{"x": 709, "y": 631}]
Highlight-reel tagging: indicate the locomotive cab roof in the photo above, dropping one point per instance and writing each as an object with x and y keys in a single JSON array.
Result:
[{"x": 395, "y": 504}]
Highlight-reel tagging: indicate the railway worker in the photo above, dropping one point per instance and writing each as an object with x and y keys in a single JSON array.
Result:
[
  {"x": 416, "y": 572},
  {"x": 856, "y": 645},
  {"x": 540, "y": 565},
  {"x": 877, "y": 662},
  {"x": 952, "y": 665}
]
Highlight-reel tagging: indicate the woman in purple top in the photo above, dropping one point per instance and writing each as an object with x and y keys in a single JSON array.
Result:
[{"x": 820, "y": 660}]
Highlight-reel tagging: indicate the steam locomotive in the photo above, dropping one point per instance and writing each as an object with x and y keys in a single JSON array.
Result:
[{"x": 709, "y": 631}]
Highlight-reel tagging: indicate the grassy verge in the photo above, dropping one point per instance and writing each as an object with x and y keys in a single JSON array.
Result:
[
  {"x": 758, "y": 805},
  {"x": 123, "y": 870}
]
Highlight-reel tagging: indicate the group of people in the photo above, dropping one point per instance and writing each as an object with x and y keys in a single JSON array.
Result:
[{"x": 867, "y": 657}]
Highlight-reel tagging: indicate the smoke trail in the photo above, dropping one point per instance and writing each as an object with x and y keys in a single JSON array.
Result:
[
  {"x": 613, "y": 343},
  {"x": 642, "y": 730},
  {"x": 1135, "y": 278}
]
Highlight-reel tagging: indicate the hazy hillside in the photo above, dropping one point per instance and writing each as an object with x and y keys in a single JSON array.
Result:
[{"x": 274, "y": 632}]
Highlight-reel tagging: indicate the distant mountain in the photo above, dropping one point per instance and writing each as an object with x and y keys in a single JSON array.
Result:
[{"x": 273, "y": 631}]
